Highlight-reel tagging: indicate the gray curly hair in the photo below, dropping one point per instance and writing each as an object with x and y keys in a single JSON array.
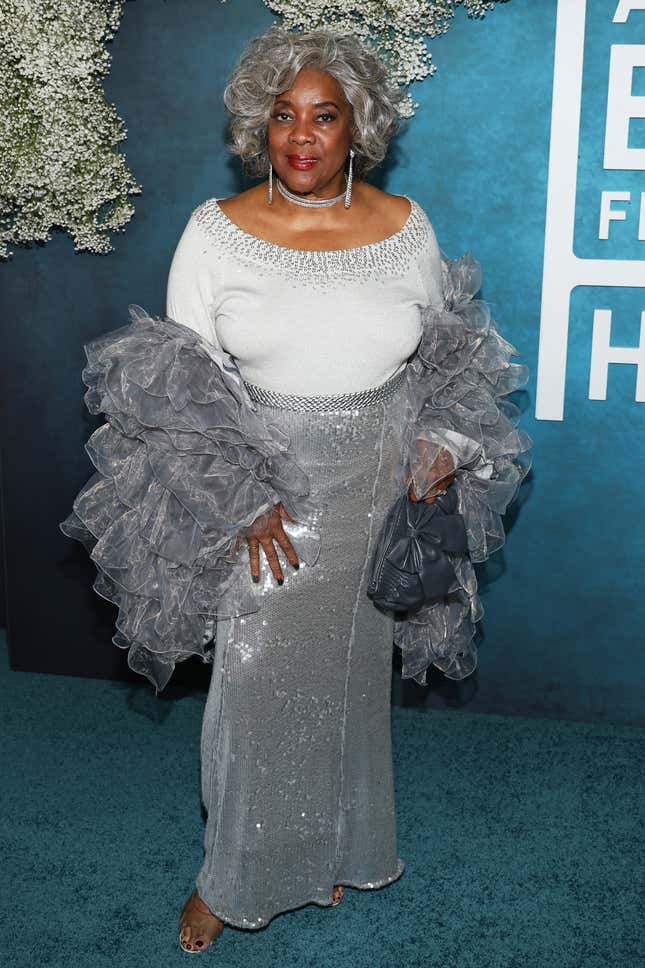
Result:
[{"x": 269, "y": 65}]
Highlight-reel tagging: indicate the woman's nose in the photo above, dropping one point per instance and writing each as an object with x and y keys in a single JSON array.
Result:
[{"x": 302, "y": 131}]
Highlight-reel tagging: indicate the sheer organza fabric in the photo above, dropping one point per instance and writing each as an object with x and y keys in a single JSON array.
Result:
[
  {"x": 185, "y": 463},
  {"x": 459, "y": 380}
]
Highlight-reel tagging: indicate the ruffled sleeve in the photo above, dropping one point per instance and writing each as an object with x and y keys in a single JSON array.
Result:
[
  {"x": 183, "y": 465},
  {"x": 458, "y": 385}
]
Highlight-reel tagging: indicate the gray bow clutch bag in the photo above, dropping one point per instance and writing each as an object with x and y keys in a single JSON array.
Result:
[{"x": 411, "y": 564}]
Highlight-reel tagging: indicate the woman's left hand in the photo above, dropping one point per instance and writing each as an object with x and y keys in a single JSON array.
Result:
[{"x": 442, "y": 472}]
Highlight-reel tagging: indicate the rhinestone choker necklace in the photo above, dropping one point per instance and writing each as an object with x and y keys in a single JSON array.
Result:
[{"x": 308, "y": 202}]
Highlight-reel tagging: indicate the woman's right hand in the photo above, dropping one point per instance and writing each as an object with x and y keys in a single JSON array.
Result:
[{"x": 266, "y": 529}]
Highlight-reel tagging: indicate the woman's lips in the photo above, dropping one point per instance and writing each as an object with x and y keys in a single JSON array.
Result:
[{"x": 301, "y": 163}]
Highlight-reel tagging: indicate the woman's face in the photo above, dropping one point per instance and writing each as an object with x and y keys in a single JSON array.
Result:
[{"x": 310, "y": 132}]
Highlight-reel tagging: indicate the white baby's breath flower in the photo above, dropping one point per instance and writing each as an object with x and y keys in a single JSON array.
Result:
[
  {"x": 395, "y": 29},
  {"x": 59, "y": 163}
]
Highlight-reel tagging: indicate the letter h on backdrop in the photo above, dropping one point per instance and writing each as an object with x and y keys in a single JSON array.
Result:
[{"x": 563, "y": 270}]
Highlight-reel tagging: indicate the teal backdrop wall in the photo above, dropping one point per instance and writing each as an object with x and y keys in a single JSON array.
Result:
[{"x": 565, "y": 610}]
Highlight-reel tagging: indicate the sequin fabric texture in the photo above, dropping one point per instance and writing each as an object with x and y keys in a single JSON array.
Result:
[{"x": 296, "y": 737}]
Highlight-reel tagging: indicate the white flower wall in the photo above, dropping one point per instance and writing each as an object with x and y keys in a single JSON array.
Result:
[
  {"x": 59, "y": 163},
  {"x": 60, "y": 166}
]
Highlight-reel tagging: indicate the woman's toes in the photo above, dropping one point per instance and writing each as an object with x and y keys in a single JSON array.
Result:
[{"x": 198, "y": 925}]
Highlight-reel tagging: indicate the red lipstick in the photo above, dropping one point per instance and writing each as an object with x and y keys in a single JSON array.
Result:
[{"x": 301, "y": 162}]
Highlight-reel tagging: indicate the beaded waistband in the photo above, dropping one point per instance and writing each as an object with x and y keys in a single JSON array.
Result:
[{"x": 331, "y": 401}]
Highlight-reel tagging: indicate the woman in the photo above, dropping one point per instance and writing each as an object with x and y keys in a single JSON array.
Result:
[{"x": 317, "y": 355}]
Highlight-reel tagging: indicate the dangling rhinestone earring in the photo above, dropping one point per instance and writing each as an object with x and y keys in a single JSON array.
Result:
[
  {"x": 348, "y": 190},
  {"x": 270, "y": 183}
]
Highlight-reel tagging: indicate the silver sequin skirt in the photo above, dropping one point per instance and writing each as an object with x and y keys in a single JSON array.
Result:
[{"x": 296, "y": 737}]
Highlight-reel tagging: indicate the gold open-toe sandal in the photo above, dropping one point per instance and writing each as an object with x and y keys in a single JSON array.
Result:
[{"x": 338, "y": 892}]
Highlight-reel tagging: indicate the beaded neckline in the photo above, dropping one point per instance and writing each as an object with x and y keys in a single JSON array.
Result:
[
  {"x": 351, "y": 248},
  {"x": 382, "y": 259}
]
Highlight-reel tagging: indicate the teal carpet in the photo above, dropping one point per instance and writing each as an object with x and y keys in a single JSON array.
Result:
[{"x": 522, "y": 837}]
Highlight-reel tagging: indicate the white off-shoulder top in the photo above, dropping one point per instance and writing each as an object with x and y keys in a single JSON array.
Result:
[{"x": 305, "y": 321}]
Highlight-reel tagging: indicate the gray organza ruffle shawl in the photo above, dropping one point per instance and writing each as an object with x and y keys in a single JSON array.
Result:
[{"x": 184, "y": 464}]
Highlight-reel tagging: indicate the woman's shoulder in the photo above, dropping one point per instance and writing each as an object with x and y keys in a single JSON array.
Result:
[
  {"x": 208, "y": 220},
  {"x": 218, "y": 215},
  {"x": 244, "y": 201},
  {"x": 204, "y": 209},
  {"x": 381, "y": 200},
  {"x": 385, "y": 212},
  {"x": 233, "y": 206},
  {"x": 396, "y": 208}
]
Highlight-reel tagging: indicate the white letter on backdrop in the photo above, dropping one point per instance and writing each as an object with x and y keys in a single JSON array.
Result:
[
  {"x": 624, "y": 9},
  {"x": 603, "y": 353},
  {"x": 608, "y": 214},
  {"x": 622, "y": 106}
]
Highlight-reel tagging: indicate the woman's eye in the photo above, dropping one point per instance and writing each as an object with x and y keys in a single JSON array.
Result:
[{"x": 326, "y": 116}]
